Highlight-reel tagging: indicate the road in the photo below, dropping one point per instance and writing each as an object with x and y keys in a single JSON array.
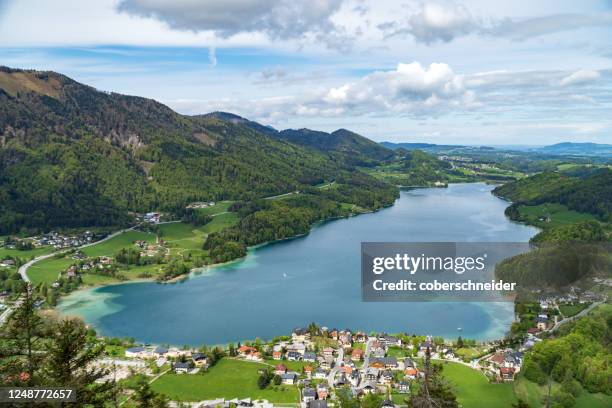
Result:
[
  {"x": 23, "y": 269},
  {"x": 576, "y": 316},
  {"x": 339, "y": 363}
]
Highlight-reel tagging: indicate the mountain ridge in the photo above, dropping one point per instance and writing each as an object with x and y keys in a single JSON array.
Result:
[{"x": 71, "y": 155}]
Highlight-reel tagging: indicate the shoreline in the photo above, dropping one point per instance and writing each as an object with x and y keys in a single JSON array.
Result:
[{"x": 494, "y": 332}]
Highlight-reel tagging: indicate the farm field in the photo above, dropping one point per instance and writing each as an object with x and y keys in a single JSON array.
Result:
[
  {"x": 113, "y": 245},
  {"x": 48, "y": 270},
  {"x": 557, "y": 214},
  {"x": 228, "y": 379},
  {"x": 218, "y": 208}
]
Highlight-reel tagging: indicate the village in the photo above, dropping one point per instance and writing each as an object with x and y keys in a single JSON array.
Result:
[{"x": 316, "y": 362}]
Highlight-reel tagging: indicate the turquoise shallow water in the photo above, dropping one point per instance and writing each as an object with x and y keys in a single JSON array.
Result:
[{"x": 313, "y": 278}]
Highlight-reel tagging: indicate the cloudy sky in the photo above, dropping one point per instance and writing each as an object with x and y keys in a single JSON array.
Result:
[{"x": 473, "y": 72}]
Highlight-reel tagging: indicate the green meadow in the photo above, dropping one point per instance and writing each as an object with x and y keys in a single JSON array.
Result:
[
  {"x": 227, "y": 379},
  {"x": 557, "y": 213},
  {"x": 474, "y": 390}
]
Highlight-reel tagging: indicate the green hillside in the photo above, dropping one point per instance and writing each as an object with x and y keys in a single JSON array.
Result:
[{"x": 74, "y": 156}]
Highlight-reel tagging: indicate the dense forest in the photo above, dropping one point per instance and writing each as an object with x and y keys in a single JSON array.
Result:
[
  {"x": 563, "y": 254},
  {"x": 74, "y": 156},
  {"x": 578, "y": 357},
  {"x": 270, "y": 220},
  {"x": 590, "y": 194}
]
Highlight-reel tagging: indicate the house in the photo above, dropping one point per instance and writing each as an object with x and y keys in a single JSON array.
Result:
[
  {"x": 300, "y": 335},
  {"x": 427, "y": 344},
  {"x": 160, "y": 351},
  {"x": 357, "y": 354},
  {"x": 542, "y": 323},
  {"x": 309, "y": 394},
  {"x": 372, "y": 374},
  {"x": 378, "y": 349},
  {"x": 386, "y": 377},
  {"x": 320, "y": 374},
  {"x": 341, "y": 381},
  {"x": 7, "y": 262},
  {"x": 507, "y": 373},
  {"x": 325, "y": 363},
  {"x": 345, "y": 339},
  {"x": 384, "y": 362},
  {"x": 280, "y": 369},
  {"x": 411, "y": 372},
  {"x": 134, "y": 352},
  {"x": 369, "y": 388},
  {"x": 308, "y": 370},
  {"x": 497, "y": 359},
  {"x": 403, "y": 387},
  {"x": 293, "y": 356},
  {"x": 322, "y": 392},
  {"x": 328, "y": 352},
  {"x": 256, "y": 356},
  {"x": 199, "y": 359},
  {"x": 289, "y": 378},
  {"x": 277, "y": 355},
  {"x": 310, "y": 356},
  {"x": 513, "y": 359},
  {"x": 297, "y": 347},
  {"x": 390, "y": 341},
  {"x": 533, "y": 330},
  {"x": 181, "y": 368},
  {"x": 317, "y": 404},
  {"x": 361, "y": 337},
  {"x": 408, "y": 362},
  {"x": 244, "y": 351}
]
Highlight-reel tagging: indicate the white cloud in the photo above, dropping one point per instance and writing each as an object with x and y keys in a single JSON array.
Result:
[
  {"x": 445, "y": 20},
  {"x": 580, "y": 77},
  {"x": 278, "y": 19},
  {"x": 440, "y": 22}
]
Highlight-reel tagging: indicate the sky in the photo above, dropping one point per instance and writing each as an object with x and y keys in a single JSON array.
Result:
[{"x": 479, "y": 72}]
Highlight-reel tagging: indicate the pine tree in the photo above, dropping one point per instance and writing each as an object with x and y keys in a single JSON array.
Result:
[
  {"x": 20, "y": 337},
  {"x": 68, "y": 360},
  {"x": 433, "y": 390}
]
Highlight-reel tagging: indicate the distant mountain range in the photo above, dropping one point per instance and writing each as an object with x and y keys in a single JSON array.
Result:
[
  {"x": 559, "y": 149},
  {"x": 578, "y": 149}
]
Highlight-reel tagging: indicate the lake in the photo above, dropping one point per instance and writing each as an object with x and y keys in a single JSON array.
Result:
[{"x": 317, "y": 277}]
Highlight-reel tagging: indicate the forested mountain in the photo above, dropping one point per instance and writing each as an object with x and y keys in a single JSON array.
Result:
[
  {"x": 344, "y": 145},
  {"x": 590, "y": 194},
  {"x": 74, "y": 156}
]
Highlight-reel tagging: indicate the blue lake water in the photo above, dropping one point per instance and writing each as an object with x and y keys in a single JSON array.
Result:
[{"x": 280, "y": 286}]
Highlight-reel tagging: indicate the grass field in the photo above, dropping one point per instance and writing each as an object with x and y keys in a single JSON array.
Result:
[
  {"x": 182, "y": 235},
  {"x": 228, "y": 379},
  {"x": 220, "y": 222},
  {"x": 571, "y": 310},
  {"x": 48, "y": 270},
  {"x": 558, "y": 214},
  {"x": 474, "y": 390},
  {"x": 218, "y": 208},
  {"x": 15, "y": 253},
  {"x": 113, "y": 245}
]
